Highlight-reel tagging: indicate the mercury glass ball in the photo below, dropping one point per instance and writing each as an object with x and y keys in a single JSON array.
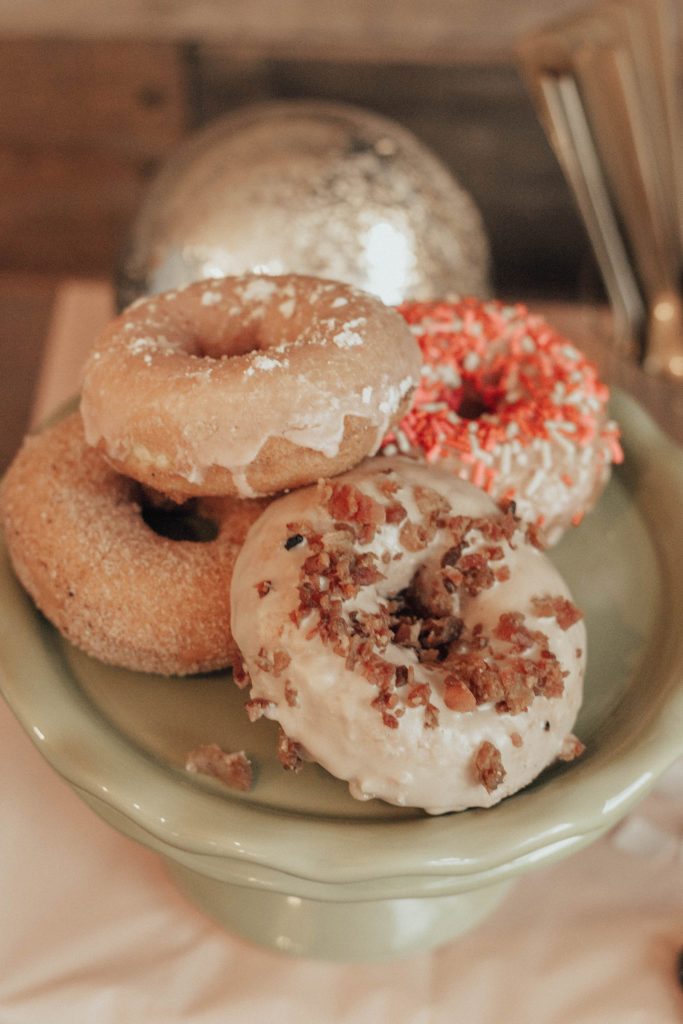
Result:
[{"x": 313, "y": 188}]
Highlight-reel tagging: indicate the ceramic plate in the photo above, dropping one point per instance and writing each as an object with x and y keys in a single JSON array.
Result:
[{"x": 121, "y": 738}]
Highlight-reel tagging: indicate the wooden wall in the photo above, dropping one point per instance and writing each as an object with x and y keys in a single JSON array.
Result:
[
  {"x": 94, "y": 95},
  {"x": 82, "y": 125}
]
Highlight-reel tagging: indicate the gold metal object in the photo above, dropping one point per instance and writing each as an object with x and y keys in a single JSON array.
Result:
[{"x": 613, "y": 66}]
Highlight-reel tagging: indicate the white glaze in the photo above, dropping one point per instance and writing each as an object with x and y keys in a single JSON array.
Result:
[
  {"x": 333, "y": 718},
  {"x": 207, "y": 381}
]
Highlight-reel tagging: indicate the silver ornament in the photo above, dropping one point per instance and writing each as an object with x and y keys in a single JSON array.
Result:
[{"x": 307, "y": 187}]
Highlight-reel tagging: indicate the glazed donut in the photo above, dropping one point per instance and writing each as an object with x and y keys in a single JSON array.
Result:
[
  {"x": 247, "y": 385},
  {"x": 114, "y": 587},
  {"x": 408, "y": 637},
  {"x": 506, "y": 402}
]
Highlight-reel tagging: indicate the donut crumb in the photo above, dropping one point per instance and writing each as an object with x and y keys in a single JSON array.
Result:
[
  {"x": 571, "y": 749},
  {"x": 565, "y": 612},
  {"x": 488, "y": 765},
  {"x": 290, "y": 754},
  {"x": 234, "y": 769}
]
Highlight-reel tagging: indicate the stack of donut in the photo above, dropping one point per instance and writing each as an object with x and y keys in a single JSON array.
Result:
[
  {"x": 195, "y": 405},
  {"x": 217, "y": 500}
]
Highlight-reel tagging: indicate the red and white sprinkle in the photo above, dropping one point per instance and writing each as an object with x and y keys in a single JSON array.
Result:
[{"x": 513, "y": 406}]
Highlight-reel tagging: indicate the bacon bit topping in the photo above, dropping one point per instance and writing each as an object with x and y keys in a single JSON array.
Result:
[
  {"x": 275, "y": 663},
  {"x": 232, "y": 769},
  {"x": 263, "y": 588},
  {"x": 431, "y": 719},
  {"x": 414, "y": 536},
  {"x": 477, "y": 574},
  {"x": 564, "y": 611},
  {"x": 452, "y": 556},
  {"x": 516, "y": 739},
  {"x": 430, "y": 504},
  {"x": 240, "y": 675},
  {"x": 290, "y": 754},
  {"x": 506, "y": 668},
  {"x": 533, "y": 536},
  {"x": 351, "y": 505},
  {"x": 571, "y": 749},
  {"x": 488, "y": 766},
  {"x": 395, "y": 513},
  {"x": 294, "y": 541},
  {"x": 257, "y": 707},
  {"x": 281, "y": 660},
  {"x": 405, "y": 675},
  {"x": 511, "y": 628},
  {"x": 457, "y": 696},
  {"x": 493, "y": 374},
  {"x": 550, "y": 678},
  {"x": 388, "y": 485},
  {"x": 482, "y": 677},
  {"x": 291, "y": 694},
  {"x": 418, "y": 695}
]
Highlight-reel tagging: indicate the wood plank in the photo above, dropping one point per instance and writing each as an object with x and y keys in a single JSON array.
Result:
[
  {"x": 25, "y": 312},
  {"x": 64, "y": 211},
  {"x": 433, "y": 30},
  {"x": 80, "y": 310},
  {"x": 82, "y": 127},
  {"x": 124, "y": 97}
]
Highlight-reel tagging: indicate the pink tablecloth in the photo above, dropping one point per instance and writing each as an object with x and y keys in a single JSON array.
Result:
[{"x": 92, "y": 929}]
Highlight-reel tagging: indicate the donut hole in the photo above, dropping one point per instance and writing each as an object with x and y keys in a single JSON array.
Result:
[
  {"x": 237, "y": 341},
  {"x": 474, "y": 399},
  {"x": 185, "y": 522},
  {"x": 422, "y": 617}
]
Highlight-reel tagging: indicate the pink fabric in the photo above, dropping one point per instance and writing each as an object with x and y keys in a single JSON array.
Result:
[{"x": 94, "y": 930}]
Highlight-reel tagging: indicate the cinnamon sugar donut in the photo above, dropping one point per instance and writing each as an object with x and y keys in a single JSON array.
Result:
[
  {"x": 79, "y": 542},
  {"x": 409, "y": 637},
  {"x": 508, "y": 403},
  {"x": 247, "y": 385}
]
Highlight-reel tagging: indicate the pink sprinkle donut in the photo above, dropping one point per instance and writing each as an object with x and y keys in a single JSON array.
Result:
[
  {"x": 508, "y": 403},
  {"x": 247, "y": 385}
]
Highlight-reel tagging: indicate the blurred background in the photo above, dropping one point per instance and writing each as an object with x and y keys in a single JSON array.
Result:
[{"x": 96, "y": 94}]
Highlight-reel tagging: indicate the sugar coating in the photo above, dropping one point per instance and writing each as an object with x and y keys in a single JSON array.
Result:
[
  {"x": 115, "y": 588},
  {"x": 281, "y": 366}
]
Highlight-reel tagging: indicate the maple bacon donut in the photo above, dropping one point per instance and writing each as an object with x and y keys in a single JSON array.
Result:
[
  {"x": 508, "y": 403},
  {"x": 407, "y": 636},
  {"x": 79, "y": 540},
  {"x": 247, "y": 385}
]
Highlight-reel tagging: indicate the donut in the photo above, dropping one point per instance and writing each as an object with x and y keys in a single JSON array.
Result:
[
  {"x": 78, "y": 538},
  {"x": 409, "y": 636},
  {"x": 508, "y": 403},
  {"x": 247, "y": 385}
]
